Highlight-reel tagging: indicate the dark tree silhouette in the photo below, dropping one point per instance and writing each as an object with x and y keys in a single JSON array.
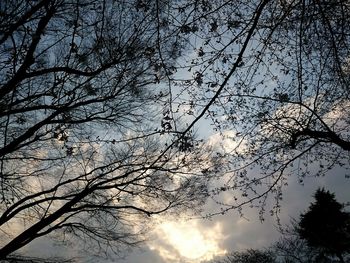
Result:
[
  {"x": 26, "y": 259},
  {"x": 272, "y": 77},
  {"x": 290, "y": 248},
  {"x": 87, "y": 151},
  {"x": 321, "y": 236},
  {"x": 250, "y": 256},
  {"x": 326, "y": 226},
  {"x": 86, "y": 131}
]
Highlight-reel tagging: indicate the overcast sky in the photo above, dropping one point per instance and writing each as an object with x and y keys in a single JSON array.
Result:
[
  {"x": 190, "y": 241},
  {"x": 180, "y": 239},
  {"x": 230, "y": 232},
  {"x": 175, "y": 240}
]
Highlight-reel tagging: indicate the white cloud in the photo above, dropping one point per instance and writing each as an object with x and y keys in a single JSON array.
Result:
[
  {"x": 187, "y": 241},
  {"x": 227, "y": 142}
]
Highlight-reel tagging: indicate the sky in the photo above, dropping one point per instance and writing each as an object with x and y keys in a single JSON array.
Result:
[
  {"x": 183, "y": 240},
  {"x": 199, "y": 240},
  {"x": 175, "y": 240},
  {"x": 188, "y": 240}
]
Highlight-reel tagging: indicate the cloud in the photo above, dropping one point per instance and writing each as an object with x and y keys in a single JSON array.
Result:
[
  {"x": 187, "y": 241},
  {"x": 227, "y": 142}
]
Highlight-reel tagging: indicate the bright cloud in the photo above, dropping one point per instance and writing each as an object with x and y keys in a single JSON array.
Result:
[
  {"x": 227, "y": 142},
  {"x": 187, "y": 241}
]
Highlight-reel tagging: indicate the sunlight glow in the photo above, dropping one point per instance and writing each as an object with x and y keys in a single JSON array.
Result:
[{"x": 187, "y": 241}]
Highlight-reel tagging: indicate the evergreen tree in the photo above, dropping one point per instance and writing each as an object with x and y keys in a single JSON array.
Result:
[{"x": 326, "y": 226}]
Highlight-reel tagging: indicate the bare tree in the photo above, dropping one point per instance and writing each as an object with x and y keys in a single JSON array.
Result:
[
  {"x": 291, "y": 248},
  {"x": 274, "y": 75},
  {"x": 19, "y": 258},
  {"x": 87, "y": 150},
  {"x": 250, "y": 256},
  {"x": 92, "y": 108}
]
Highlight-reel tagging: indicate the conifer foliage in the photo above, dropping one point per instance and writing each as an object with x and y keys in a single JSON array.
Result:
[{"x": 326, "y": 225}]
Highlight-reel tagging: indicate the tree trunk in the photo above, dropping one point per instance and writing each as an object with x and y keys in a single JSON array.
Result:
[{"x": 33, "y": 232}]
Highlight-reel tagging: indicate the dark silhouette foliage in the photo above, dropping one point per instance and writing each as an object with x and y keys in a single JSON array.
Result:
[
  {"x": 87, "y": 153},
  {"x": 325, "y": 225},
  {"x": 250, "y": 256},
  {"x": 320, "y": 236},
  {"x": 99, "y": 100}
]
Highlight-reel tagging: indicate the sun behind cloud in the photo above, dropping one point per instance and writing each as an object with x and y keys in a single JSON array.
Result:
[{"x": 187, "y": 241}]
